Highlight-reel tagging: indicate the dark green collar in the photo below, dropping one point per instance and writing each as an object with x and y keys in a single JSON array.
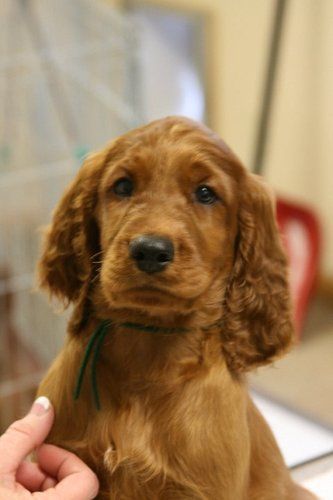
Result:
[{"x": 94, "y": 347}]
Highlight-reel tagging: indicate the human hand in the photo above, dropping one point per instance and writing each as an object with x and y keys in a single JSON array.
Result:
[{"x": 57, "y": 475}]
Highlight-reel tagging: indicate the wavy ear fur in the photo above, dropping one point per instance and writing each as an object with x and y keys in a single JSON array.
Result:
[
  {"x": 257, "y": 324},
  {"x": 66, "y": 268}
]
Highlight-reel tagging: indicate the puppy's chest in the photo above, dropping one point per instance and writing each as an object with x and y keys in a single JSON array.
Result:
[
  {"x": 154, "y": 432},
  {"x": 135, "y": 443}
]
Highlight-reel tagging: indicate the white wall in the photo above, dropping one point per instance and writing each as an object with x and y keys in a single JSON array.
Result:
[{"x": 171, "y": 81}]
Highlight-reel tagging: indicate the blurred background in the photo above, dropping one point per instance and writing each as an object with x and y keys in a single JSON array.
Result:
[{"x": 73, "y": 75}]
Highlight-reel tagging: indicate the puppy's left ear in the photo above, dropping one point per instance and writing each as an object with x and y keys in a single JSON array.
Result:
[{"x": 257, "y": 324}]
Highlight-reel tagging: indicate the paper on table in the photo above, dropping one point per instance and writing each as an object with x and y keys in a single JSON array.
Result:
[{"x": 299, "y": 438}]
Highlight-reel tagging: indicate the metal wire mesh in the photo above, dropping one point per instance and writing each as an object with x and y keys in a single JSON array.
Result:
[{"x": 68, "y": 83}]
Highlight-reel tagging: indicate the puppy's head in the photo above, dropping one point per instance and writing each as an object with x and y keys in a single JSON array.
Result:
[{"x": 166, "y": 219}]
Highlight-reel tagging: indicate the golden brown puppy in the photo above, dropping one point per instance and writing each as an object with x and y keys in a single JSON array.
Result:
[{"x": 167, "y": 236}]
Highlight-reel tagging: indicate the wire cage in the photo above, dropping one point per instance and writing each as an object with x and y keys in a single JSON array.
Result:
[{"x": 69, "y": 81}]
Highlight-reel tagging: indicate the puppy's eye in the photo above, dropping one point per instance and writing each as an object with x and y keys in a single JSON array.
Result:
[
  {"x": 205, "y": 195},
  {"x": 123, "y": 187}
]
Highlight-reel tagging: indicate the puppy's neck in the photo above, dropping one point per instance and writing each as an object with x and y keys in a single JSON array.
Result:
[
  {"x": 148, "y": 363},
  {"x": 145, "y": 361}
]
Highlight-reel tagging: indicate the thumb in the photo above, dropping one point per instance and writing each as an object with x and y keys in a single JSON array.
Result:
[{"x": 24, "y": 435}]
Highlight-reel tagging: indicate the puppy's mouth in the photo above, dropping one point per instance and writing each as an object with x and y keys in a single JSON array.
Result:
[
  {"x": 147, "y": 297},
  {"x": 150, "y": 293}
]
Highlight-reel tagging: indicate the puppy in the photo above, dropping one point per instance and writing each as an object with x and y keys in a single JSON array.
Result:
[{"x": 168, "y": 250}]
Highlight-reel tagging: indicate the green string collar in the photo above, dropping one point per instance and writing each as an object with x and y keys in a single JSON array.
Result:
[{"x": 93, "y": 350}]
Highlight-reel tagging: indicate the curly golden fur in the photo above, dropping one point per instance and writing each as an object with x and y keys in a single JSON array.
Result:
[{"x": 176, "y": 421}]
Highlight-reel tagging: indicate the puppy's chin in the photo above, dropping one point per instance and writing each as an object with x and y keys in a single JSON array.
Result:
[{"x": 149, "y": 300}]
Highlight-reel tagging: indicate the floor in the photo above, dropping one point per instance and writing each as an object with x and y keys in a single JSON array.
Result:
[
  {"x": 290, "y": 430},
  {"x": 303, "y": 380}
]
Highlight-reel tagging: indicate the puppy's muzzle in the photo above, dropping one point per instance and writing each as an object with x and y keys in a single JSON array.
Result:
[{"x": 152, "y": 254}]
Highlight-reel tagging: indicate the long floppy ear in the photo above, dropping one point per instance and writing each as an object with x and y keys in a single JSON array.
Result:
[
  {"x": 66, "y": 268},
  {"x": 257, "y": 324}
]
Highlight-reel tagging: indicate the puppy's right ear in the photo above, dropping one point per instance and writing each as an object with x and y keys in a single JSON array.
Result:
[{"x": 71, "y": 240}]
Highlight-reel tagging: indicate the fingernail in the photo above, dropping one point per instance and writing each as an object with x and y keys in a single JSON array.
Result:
[{"x": 40, "y": 406}]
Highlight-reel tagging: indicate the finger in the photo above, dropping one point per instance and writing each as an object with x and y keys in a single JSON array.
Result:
[
  {"x": 75, "y": 478},
  {"x": 25, "y": 435},
  {"x": 33, "y": 478}
]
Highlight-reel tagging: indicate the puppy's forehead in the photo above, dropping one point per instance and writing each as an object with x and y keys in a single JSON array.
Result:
[
  {"x": 174, "y": 144},
  {"x": 178, "y": 131}
]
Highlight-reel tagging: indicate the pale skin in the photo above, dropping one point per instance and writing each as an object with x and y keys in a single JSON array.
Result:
[{"x": 56, "y": 474}]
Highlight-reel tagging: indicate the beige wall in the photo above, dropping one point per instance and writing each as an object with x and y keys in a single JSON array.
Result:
[
  {"x": 300, "y": 153},
  {"x": 300, "y": 159}
]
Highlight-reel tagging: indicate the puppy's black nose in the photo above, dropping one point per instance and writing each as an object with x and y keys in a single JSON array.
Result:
[{"x": 152, "y": 254}]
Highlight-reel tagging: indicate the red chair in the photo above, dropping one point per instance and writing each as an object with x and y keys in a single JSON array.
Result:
[{"x": 301, "y": 235}]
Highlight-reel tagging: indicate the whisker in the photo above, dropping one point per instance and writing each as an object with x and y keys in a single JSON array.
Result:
[
  {"x": 97, "y": 254},
  {"x": 95, "y": 278}
]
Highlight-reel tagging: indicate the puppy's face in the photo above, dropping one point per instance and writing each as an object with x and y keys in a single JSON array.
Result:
[
  {"x": 166, "y": 220},
  {"x": 167, "y": 213}
]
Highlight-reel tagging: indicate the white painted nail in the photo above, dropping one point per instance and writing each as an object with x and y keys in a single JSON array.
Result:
[{"x": 40, "y": 406}]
